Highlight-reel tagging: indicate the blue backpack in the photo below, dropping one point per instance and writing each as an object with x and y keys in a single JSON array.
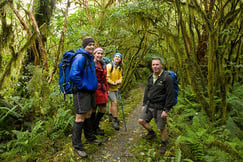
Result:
[
  {"x": 176, "y": 88},
  {"x": 66, "y": 85},
  {"x": 107, "y": 60}
]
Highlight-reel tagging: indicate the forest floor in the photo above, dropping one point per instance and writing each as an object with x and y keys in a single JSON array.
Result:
[{"x": 116, "y": 147}]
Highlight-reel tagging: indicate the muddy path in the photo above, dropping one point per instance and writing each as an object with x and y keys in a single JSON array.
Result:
[{"x": 116, "y": 148}]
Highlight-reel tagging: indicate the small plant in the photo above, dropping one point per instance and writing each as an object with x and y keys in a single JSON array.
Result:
[{"x": 27, "y": 143}]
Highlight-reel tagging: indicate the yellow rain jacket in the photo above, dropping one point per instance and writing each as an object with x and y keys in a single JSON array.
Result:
[{"x": 113, "y": 76}]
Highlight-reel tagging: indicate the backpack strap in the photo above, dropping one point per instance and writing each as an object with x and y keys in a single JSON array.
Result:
[
  {"x": 87, "y": 62},
  {"x": 166, "y": 73},
  {"x": 112, "y": 65}
]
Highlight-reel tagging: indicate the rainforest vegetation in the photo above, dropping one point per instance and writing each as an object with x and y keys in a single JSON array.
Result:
[{"x": 201, "y": 40}]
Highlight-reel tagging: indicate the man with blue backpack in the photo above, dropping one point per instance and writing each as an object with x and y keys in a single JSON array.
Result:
[
  {"x": 159, "y": 97},
  {"x": 84, "y": 81}
]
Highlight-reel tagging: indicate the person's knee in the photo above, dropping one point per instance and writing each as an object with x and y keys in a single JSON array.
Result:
[
  {"x": 79, "y": 118},
  {"x": 93, "y": 110},
  {"x": 114, "y": 103},
  {"x": 102, "y": 109},
  {"x": 88, "y": 114},
  {"x": 141, "y": 121},
  {"x": 163, "y": 130}
]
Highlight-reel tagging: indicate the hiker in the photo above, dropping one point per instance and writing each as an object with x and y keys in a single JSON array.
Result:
[
  {"x": 114, "y": 78},
  {"x": 157, "y": 102},
  {"x": 84, "y": 79},
  {"x": 101, "y": 94}
]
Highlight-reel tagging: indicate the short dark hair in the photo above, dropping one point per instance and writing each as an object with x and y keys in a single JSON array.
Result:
[{"x": 157, "y": 58}]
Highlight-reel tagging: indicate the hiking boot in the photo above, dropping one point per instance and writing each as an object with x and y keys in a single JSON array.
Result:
[
  {"x": 81, "y": 153},
  {"x": 162, "y": 149},
  {"x": 110, "y": 118},
  {"x": 115, "y": 124},
  {"x": 150, "y": 135},
  {"x": 94, "y": 141},
  {"x": 99, "y": 131}
]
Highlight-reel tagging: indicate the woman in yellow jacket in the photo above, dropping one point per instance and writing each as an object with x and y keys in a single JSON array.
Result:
[{"x": 114, "y": 79}]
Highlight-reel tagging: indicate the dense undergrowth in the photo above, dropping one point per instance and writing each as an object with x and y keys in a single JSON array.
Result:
[{"x": 35, "y": 128}]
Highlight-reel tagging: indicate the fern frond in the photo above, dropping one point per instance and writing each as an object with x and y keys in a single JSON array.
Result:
[
  {"x": 5, "y": 112},
  {"x": 188, "y": 160},
  {"x": 178, "y": 155},
  {"x": 225, "y": 147},
  {"x": 36, "y": 128}
]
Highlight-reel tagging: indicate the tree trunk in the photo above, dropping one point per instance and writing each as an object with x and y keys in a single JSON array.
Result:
[
  {"x": 39, "y": 38},
  {"x": 211, "y": 74}
]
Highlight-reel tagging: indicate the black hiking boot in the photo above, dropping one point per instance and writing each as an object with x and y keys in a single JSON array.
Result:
[
  {"x": 110, "y": 118},
  {"x": 115, "y": 124},
  {"x": 150, "y": 135},
  {"x": 99, "y": 131},
  {"x": 81, "y": 153},
  {"x": 162, "y": 148}
]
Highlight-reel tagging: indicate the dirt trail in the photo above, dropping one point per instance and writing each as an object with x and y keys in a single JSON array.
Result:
[{"x": 116, "y": 148}]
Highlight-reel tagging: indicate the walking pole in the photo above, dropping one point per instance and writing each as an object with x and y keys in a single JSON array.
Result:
[{"x": 122, "y": 110}]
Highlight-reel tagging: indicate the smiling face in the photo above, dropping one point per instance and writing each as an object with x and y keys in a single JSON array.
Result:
[
  {"x": 90, "y": 47},
  {"x": 98, "y": 55},
  {"x": 117, "y": 59},
  {"x": 156, "y": 66}
]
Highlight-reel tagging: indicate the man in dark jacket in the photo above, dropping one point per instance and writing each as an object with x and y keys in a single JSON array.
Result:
[
  {"x": 83, "y": 77},
  {"x": 158, "y": 100}
]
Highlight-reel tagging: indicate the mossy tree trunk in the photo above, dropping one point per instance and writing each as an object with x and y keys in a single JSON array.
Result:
[
  {"x": 189, "y": 55},
  {"x": 211, "y": 75},
  {"x": 20, "y": 46},
  {"x": 216, "y": 17}
]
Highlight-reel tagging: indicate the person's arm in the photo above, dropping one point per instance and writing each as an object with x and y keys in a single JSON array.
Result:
[
  {"x": 76, "y": 70},
  {"x": 109, "y": 75}
]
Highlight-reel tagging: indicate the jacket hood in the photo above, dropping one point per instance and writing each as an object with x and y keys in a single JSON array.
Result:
[{"x": 81, "y": 50}]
